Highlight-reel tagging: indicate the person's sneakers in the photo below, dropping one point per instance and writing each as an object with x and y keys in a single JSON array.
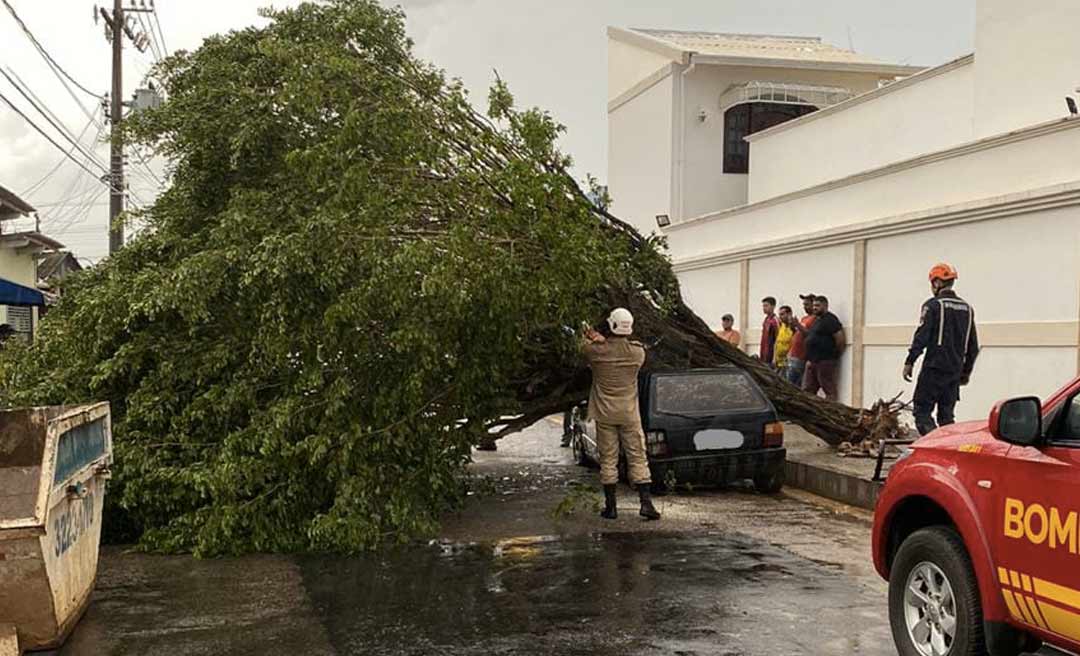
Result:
[
  {"x": 648, "y": 510},
  {"x": 609, "y": 511},
  {"x": 566, "y": 439}
]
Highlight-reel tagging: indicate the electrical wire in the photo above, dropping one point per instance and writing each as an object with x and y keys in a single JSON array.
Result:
[
  {"x": 45, "y": 53},
  {"x": 103, "y": 180},
  {"x": 50, "y": 139},
  {"x": 55, "y": 122},
  {"x": 37, "y": 185},
  {"x": 161, "y": 32},
  {"x": 149, "y": 29}
]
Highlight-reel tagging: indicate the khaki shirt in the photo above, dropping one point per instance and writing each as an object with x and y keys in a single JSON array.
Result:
[{"x": 614, "y": 395}]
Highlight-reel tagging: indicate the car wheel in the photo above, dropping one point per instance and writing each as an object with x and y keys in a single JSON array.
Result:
[
  {"x": 770, "y": 482},
  {"x": 934, "y": 605}
]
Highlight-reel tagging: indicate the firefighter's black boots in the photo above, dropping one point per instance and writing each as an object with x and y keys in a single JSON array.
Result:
[
  {"x": 609, "y": 511},
  {"x": 648, "y": 511}
]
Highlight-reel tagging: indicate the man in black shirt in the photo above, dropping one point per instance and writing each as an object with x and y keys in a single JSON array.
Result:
[
  {"x": 947, "y": 334},
  {"x": 825, "y": 343}
]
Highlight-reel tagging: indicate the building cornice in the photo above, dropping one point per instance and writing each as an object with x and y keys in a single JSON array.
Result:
[
  {"x": 811, "y": 64},
  {"x": 657, "y": 76},
  {"x": 650, "y": 43},
  {"x": 918, "y": 75},
  {"x": 1064, "y": 195},
  {"x": 988, "y": 143}
]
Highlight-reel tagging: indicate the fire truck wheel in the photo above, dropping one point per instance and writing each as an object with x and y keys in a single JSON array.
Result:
[{"x": 934, "y": 605}]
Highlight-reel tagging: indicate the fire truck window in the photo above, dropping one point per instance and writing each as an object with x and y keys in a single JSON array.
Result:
[{"x": 1071, "y": 422}]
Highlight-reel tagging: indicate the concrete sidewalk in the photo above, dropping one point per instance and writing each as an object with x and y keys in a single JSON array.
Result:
[{"x": 816, "y": 467}]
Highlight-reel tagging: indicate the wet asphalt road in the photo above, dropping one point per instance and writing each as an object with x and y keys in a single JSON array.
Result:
[{"x": 725, "y": 573}]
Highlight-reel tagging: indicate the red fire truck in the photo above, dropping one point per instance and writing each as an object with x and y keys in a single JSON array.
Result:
[{"x": 977, "y": 532}]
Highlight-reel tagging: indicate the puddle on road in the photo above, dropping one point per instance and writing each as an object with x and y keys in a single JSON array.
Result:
[{"x": 618, "y": 593}]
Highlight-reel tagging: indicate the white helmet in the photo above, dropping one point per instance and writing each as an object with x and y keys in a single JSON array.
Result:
[{"x": 621, "y": 321}]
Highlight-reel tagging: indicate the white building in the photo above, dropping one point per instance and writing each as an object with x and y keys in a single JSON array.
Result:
[
  {"x": 19, "y": 253},
  {"x": 974, "y": 162}
]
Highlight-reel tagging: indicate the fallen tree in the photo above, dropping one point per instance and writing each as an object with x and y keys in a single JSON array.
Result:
[{"x": 352, "y": 277}]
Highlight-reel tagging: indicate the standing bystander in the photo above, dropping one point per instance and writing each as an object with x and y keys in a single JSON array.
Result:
[
  {"x": 769, "y": 327},
  {"x": 825, "y": 343},
  {"x": 728, "y": 332},
  {"x": 797, "y": 354},
  {"x": 784, "y": 336}
]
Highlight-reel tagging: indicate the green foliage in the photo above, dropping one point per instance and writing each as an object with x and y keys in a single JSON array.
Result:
[
  {"x": 350, "y": 277},
  {"x": 579, "y": 498}
]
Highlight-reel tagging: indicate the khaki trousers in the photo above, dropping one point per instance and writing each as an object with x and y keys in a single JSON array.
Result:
[{"x": 632, "y": 439}]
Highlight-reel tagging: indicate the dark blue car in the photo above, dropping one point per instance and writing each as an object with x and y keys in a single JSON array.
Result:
[{"x": 702, "y": 426}]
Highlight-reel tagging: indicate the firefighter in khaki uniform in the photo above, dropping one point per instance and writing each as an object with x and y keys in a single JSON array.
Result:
[{"x": 613, "y": 405}]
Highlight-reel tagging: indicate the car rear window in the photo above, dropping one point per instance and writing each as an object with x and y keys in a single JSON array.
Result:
[{"x": 707, "y": 394}]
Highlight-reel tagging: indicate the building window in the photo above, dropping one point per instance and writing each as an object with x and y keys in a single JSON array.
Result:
[
  {"x": 21, "y": 320},
  {"x": 743, "y": 120}
]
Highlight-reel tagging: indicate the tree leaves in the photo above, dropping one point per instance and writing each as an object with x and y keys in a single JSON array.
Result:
[{"x": 350, "y": 277}]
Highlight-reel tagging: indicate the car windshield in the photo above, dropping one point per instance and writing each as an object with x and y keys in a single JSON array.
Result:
[{"x": 703, "y": 394}]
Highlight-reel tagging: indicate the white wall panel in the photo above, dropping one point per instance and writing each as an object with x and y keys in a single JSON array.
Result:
[
  {"x": 1019, "y": 269},
  {"x": 639, "y": 157},
  {"x": 628, "y": 65},
  {"x": 926, "y": 117},
  {"x": 1000, "y": 373},
  {"x": 1020, "y": 166},
  {"x": 1027, "y": 61},
  {"x": 712, "y": 293}
]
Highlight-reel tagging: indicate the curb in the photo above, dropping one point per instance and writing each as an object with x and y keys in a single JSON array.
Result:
[{"x": 831, "y": 484}]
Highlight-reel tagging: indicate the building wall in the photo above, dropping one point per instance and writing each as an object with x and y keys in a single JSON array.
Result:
[
  {"x": 1027, "y": 61},
  {"x": 628, "y": 65},
  {"x": 705, "y": 187},
  {"x": 866, "y": 133},
  {"x": 713, "y": 293},
  {"x": 639, "y": 156},
  {"x": 1021, "y": 273},
  {"x": 1012, "y": 164},
  {"x": 21, "y": 269}
]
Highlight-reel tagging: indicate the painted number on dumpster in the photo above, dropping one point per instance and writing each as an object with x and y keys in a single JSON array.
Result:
[{"x": 69, "y": 526}]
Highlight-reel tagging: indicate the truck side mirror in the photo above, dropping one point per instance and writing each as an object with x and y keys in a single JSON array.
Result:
[{"x": 1017, "y": 421}]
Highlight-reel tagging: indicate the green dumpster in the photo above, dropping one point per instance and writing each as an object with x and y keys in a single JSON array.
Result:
[{"x": 54, "y": 464}]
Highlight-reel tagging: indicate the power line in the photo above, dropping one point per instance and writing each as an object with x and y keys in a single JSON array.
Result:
[
  {"x": 44, "y": 53},
  {"x": 47, "y": 137},
  {"x": 103, "y": 180},
  {"x": 161, "y": 32},
  {"x": 37, "y": 185},
  {"x": 155, "y": 50},
  {"x": 54, "y": 122}
]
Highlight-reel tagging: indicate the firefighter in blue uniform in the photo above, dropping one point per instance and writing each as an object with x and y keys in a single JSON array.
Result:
[{"x": 947, "y": 335}]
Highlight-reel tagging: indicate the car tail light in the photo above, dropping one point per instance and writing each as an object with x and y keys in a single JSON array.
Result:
[
  {"x": 774, "y": 434},
  {"x": 656, "y": 443}
]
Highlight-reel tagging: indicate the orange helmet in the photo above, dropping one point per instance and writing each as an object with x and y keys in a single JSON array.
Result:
[{"x": 943, "y": 271}]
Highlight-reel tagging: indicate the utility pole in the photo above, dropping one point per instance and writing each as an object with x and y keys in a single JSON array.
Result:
[
  {"x": 116, "y": 150},
  {"x": 116, "y": 27}
]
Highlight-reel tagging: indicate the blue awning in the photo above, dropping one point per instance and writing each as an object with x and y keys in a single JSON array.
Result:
[{"x": 15, "y": 294}]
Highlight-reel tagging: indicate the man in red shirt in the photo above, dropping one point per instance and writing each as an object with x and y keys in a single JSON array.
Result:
[
  {"x": 769, "y": 328},
  {"x": 797, "y": 355}
]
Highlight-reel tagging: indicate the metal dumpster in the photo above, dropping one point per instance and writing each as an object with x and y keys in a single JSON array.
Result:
[{"x": 54, "y": 463}]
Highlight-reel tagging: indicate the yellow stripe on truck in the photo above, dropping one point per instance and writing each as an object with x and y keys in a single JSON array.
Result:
[
  {"x": 1039, "y": 622},
  {"x": 1010, "y": 601},
  {"x": 1061, "y": 622},
  {"x": 1003, "y": 576},
  {"x": 1059, "y": 593}
]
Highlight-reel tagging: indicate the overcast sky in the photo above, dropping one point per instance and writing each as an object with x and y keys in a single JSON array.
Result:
[{"x": 551, "y": 52}]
